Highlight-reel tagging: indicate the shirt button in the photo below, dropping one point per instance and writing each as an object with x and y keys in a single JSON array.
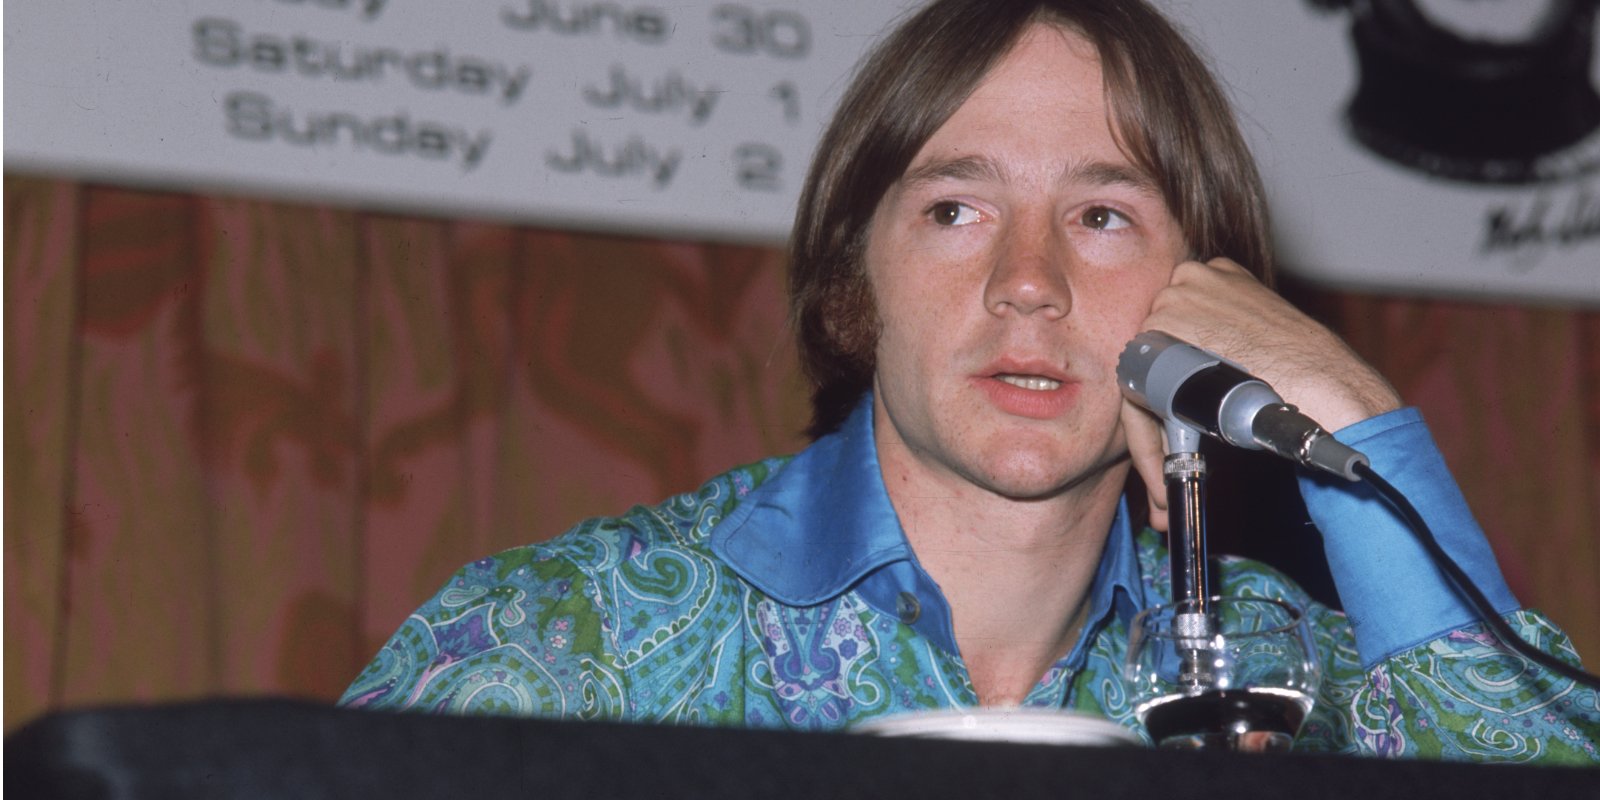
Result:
[{"x": 907, "y": 607}]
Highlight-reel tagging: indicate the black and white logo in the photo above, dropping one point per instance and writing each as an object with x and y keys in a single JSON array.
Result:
[{"x": 1479, "y": 91}]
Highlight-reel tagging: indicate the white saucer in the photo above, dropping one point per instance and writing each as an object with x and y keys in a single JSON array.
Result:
[{"x": 1019, "y": 725}]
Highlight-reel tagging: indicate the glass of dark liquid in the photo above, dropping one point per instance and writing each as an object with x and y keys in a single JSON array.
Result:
[{"x": 1228, "y": 673}]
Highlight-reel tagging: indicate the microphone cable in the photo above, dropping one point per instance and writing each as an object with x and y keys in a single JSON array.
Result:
[{"x": 1491, "y": 618}]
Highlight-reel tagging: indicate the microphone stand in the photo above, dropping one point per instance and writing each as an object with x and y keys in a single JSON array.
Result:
[{"x": 1185, "y": 473}]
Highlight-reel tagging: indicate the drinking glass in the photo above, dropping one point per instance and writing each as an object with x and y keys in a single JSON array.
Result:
[{"x": 1234, "y": 673}]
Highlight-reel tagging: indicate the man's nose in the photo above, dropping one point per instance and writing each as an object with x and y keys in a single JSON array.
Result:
[{"x": 1029, "y": 274}]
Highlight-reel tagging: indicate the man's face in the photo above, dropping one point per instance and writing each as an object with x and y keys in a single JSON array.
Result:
[{"x": 1010, "y": 264}]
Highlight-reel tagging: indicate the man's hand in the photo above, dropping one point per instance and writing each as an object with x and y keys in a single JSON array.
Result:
[{"x": 1220, "y": 307}]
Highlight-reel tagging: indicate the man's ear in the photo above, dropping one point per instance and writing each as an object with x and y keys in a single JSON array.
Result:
[{"x": 1148, "y": 454}]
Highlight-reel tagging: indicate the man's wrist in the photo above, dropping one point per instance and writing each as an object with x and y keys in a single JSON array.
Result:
[{"x": 1395, "y": 595}]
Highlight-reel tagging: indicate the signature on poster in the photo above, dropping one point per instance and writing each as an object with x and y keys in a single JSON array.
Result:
[{"x": 1526, "y": 231}]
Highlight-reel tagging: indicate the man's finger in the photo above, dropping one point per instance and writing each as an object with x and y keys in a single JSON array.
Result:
[{"x": 1145, "y": 448}]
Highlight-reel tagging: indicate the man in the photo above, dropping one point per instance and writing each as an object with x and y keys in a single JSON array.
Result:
[{"x": 1009, "y": 193}]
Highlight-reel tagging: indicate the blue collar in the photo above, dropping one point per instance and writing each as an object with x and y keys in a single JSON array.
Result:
[{"x": 824, "y": 526}]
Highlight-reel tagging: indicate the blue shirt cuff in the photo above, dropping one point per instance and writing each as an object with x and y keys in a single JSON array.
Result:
[{"x": 1394, "y": 595}]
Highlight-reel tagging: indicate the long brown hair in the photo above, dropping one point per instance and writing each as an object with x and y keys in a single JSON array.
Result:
[{"x": 1166, "y": 110}]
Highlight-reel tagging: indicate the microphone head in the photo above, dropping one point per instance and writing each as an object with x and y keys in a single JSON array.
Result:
[
  {"x": 1187, "y": 386},
  {"x": 1180, "y": 382},
  {"x": 1154, "y": 365}
]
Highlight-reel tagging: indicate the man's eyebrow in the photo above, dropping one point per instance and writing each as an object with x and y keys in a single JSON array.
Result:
[
  {"x": 1105, "y": 173},
  {"x": 980, "y": 168},
  {"x": 967, "y": 168}
]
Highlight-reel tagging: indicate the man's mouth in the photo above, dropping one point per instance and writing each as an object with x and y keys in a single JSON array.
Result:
[{"x": 1030, "y": 382}]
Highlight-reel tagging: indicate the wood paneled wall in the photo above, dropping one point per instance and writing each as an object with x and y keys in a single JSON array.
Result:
[{"x": 245, "y": 438}]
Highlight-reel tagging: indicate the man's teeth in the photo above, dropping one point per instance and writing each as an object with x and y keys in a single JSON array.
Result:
[{"x": 1036, "y": 384}]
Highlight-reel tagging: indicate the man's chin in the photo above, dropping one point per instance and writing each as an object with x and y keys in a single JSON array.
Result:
[{"x": 1030, "y": 483}]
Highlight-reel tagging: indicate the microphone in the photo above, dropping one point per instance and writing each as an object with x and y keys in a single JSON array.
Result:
[{"x": 1180, "y": 382}]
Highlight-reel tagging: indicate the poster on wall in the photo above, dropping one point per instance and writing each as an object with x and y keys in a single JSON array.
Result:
[
  {"x": 1443, "y": 147},
  {"x": 687, "y": 120},
  {"x": 1440, "y": 147}
]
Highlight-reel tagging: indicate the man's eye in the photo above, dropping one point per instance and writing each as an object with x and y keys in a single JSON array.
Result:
[
  {"x": 1101, "y": 218},
  {"x": 949, "y": 212}
]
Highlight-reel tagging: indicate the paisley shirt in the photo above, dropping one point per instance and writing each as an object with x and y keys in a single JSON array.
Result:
[{"x": 784, "y": 595}]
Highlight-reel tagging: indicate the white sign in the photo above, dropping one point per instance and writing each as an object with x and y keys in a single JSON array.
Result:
[
  {"x": 1390, "y": 165},
  {"x": 694, "y": 119}
]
